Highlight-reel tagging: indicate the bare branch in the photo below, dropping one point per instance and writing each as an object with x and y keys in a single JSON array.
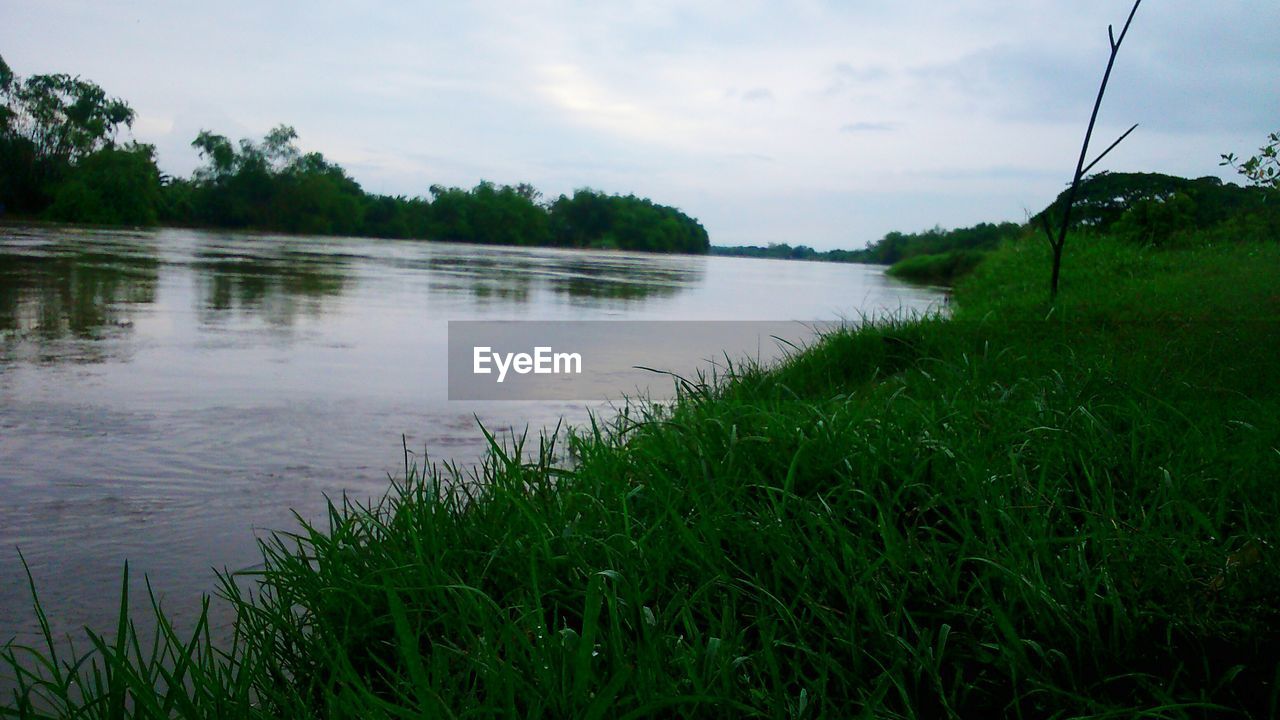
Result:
[
  {"x": 1048, "y": 229},
  {"x": 1125, "y": 31},
  {"x": 1069, "y": 200},
  {"x": 1111, "y": 147}
]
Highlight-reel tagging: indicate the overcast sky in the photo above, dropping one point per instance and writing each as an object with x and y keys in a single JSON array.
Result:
[{"x": 822, "y": 123}]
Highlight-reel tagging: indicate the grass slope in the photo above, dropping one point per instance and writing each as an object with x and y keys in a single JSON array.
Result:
[
  {"x": 940, "y": 269},
  {"x": 1013, "y": 512}
]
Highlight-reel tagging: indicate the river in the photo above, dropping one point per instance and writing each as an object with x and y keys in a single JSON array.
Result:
[{"x": 167, "y": 396}]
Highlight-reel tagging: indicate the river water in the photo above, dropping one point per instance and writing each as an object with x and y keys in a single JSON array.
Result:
[{"x": 168, "y": 396}]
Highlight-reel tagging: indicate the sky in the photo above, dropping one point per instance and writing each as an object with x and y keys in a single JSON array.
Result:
[{"x": 819, "y": 123}]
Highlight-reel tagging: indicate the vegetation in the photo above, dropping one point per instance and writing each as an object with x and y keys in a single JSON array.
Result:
[
  {"x": 1138, "y": 208},
  {"x": 941, "y": 269},
  {"x": 592, "y": 219},
  {"x": 53, "y": 132},
  {"x": 1104, "y": 200},
  {"x": 783, "y": 251},
  {"x": 1262, "y": 169},
  {"x": 60, "y": 158},
  {"x": 113, "y": 186},
  {"x": 1009, "y": 512},
  {"x": 891, "y": 248},
  {"x": 1143, "y": 209},
  {"x": 897, "y": 246}
]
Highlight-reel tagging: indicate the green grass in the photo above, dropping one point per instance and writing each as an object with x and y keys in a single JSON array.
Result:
[
  {"x": 939, "y": 269},
  {"x": 1015, "y": 512}
]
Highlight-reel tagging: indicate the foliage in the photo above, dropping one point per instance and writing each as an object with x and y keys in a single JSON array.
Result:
[
  {"x": 1104, "y": 198},
  {"x": 489, "y": 214},
  {"x": 896, "y": 246},
  {"x": 1156, "y": 208},
  {"x": 396, "y": 217},
  {"x": 1262, "y": 169},
  {"x": 113, "y": 186},
  {"x": 271, "y": 185},
  {"x": 778, "y": 251},
  {"x": 593, "y": 219},
  {"x": 1157, "y": 221},
  {"x": 940, "y": 269},
  {"x": 48, "y": 125}
]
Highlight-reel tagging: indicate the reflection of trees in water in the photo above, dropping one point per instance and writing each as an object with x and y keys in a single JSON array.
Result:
[
  {"x": 277, "y": 285},
  {"x": 486, "y": 279},
  {"x": 622, "y": 281},
  {"x": 512, "y": 278},
  {"x": 74, "y": 288}
]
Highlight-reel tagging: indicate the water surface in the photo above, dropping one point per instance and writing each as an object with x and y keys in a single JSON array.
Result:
[{"x": 166, "y": 395}]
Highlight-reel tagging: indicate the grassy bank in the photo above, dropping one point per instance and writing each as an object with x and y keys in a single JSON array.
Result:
[
  {"x": 940, "y": 269},
  {"x": 1013, "y": 512}
]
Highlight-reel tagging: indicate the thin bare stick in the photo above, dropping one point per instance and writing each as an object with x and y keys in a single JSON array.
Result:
[
  {"x": 1084, "y": 153},
  {"x": 1048, "y": 231},
  {"x": 1110, "y": 147}
]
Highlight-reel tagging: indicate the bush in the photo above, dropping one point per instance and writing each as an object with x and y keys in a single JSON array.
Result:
[
  {"x": 114, "y": 186},
  {"x": 1157, "y": 221},
  {"x": 939, "y": 269}
]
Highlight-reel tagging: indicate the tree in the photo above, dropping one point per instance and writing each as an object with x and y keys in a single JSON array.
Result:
[
  {"x": 6, "y": 85},
  {"x": 217, "y": 152},
  {"x": 48, "y": 124},
  {"x": 114, "y": 186},
  {"x": 64, "y": 117},
  {"x": 1262, "y": 169},
  {"x": 278, "y": 147},
  {"x": 1057, "y": 242}
]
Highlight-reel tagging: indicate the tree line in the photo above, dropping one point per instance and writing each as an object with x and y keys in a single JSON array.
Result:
[
  {"x": 1158, "y": 209},
  {"x": 63, "y": 157},
  {"x": 891, "y": 248},
  {"x": 1144, "y": 208}
]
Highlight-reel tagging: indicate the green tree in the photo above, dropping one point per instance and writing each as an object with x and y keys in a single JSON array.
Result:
[
  {"x": 66, "y": 118},
  {"x": 1157, "y": 221},
  {"x": 593, "y": 219},
  {"x": 48, "y": 124},
  {"x": 113, "y": 186},
  {"x": 217, "y": 152},
  {"x": 1262, "y": 169}
]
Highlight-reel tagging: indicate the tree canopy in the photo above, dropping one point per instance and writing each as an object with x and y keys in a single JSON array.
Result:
[
  {"x": 49, "y": 124},
  {"x": 1154, "y": 208},
  {"x": 61, "y": 158},
  {"x": 896, "y": 246}
]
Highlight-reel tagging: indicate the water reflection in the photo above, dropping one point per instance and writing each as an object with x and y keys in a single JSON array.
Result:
[
  {"x": 513, "y": 278},
  {"x": 278, "y": 284},
  {"x": 59, "y": 286},
  {"x": 623, "y": 280}
]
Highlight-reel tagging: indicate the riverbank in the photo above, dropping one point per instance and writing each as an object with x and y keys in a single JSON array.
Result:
[{"x": 1013, "y": 511}]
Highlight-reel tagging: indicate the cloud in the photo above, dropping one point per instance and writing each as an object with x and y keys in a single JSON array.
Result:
[
  {"x": 1169, "y": 76},
  {"x": 867, "y": 127},
  {"x": 981, "y": 100},
  {"x": 844, "y": 77}
]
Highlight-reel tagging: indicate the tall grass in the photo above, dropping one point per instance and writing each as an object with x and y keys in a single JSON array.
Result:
[
  {"x": 1016, "y": 512},
  {"x": 939, "y": 269}
]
